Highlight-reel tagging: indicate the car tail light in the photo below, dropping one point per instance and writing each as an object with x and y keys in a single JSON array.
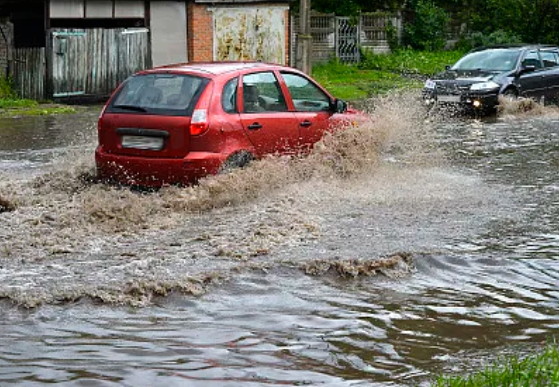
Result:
[{"x": 200, "y": 122}]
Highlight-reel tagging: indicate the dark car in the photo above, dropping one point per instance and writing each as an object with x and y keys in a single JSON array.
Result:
[
  {"x": 177, "y": 124},
  {"x": 478, "y": 79}
]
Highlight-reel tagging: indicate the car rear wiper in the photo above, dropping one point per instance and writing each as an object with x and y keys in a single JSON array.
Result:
[{"x": 131, "y": 107}]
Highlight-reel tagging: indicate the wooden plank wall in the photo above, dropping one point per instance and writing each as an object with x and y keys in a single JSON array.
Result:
[
  {"x": 28, "y": 72},
  {"x": 96, "y": 61}
]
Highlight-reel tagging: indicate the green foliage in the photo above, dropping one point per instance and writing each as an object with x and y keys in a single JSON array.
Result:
[
  {"x": 408, "y": 61},
  {"x": 532, "y": 21},
  {"x": 11, "y": 103},
  {"x": 541, "y": 370},
  {"x": 426, "y": 31},
  {"x": 382, "y": 73},
  {"x": 478, "y": 39},
  {"x": 351, "y": 83},
  {"x": 392, "y": 37},
  {"x": 6, "y": 88},
  {"x": 352, "y": 7}
]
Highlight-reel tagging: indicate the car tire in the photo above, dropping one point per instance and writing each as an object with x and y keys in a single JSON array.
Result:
[
  {"x": 510, "y": 94},
  {"x": 237, "y": 160}
]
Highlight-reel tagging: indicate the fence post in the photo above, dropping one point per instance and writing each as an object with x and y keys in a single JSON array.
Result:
[
  {"x": 49, "y": 78},
  {"x": 304, "y": 38}
]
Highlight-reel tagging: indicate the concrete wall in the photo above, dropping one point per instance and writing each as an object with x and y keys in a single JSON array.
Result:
[{"x": 168, "y": 26}]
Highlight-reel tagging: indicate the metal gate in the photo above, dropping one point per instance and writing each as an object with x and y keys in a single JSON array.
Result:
[
  {"x": 95, "y": 61},
  {"x": 250, "y": 33},
  {"x": 347, "y": 40}
]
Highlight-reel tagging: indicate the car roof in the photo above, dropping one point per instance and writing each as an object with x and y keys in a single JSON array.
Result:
[
  {"x": 511, "y": 46},
  {"x": 215, "y": 68}
]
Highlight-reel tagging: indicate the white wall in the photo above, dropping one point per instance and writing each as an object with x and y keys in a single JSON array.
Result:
[
  {"x": 168, "y": 32},
  {"x": 96, "y": 9},
  {"x": 99, "y": 9},
  {"x": 66, "y": 9}
]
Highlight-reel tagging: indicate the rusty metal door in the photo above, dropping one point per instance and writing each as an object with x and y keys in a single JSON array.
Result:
[
  {"x": 347, "y": 40},
  {"x": 251, "y": 33}
]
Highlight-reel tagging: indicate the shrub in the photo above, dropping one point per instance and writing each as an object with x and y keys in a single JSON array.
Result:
[
  {"x": 6, "y": 89},
  {"x": 478, "y": 39},
  {"x": 427, "y": 29}
]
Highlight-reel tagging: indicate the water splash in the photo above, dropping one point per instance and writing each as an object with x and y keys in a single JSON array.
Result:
[
  {"x": 118, "y": 235},
  {"x": 524, "y": 107}
]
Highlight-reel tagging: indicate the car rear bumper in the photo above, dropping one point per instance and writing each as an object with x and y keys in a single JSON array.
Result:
[
  {"x": 156, "y": 172},
  {"x": 467, "y": 100}
]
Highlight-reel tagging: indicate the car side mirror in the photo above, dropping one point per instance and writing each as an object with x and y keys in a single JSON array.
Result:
[
  {"x": 447, "y": 67},
  {"x": 339, "y": 106},
  {"x": 527, "y": 69}
]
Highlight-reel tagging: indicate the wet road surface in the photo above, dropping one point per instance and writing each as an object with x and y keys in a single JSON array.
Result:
[{"x": 427, "y": 246}]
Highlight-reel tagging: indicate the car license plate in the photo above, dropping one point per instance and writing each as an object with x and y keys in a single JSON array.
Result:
[
  {"x": 448, "y": 98},
  {"x": 142, "y": 142}
]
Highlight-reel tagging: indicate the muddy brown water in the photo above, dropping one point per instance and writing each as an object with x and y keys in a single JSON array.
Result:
[{"x": 410, "y": 246}]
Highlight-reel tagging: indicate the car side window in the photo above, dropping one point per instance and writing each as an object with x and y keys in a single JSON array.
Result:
[
  {"x": 306, "y": 95},
  {"x": 261, "y": 93},
  {"x": 550, "y": 58},
  {"x": 229, "y": 96},
  {"x": 532, "y": 59}
]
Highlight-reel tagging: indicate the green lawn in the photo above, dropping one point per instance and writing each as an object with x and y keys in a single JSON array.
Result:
[
  {"x": 380, "y": 73},
  {"x": 537, "y": 370}
]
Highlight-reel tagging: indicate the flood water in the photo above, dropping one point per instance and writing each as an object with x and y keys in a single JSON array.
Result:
[{"x": 414, "y": 246}]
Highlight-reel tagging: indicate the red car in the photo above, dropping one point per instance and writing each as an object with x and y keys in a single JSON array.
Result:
[{"x": 176, "y": 124}]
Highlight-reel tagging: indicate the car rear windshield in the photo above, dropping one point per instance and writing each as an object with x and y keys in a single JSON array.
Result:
[
  {"x": 489, "y": 60},
  {"x": 159, "y": 94}
]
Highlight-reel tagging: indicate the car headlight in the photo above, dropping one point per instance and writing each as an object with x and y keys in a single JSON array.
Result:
[
  {"x": 429, "y": 84},
  {"x": 484, "y": 86}
]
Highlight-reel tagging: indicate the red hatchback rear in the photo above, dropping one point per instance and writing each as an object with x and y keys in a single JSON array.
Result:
[{"x": 176, "y": 124}]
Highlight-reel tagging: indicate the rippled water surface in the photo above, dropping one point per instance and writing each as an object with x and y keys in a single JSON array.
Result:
[{"x": 427, "y": 246}]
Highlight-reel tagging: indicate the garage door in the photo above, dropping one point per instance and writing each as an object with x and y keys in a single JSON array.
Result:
[{"x": 250, "y": 34}]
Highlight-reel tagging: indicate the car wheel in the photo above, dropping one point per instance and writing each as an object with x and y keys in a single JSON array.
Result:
[
  {"x": 236, "y": 160},
  {"x": 510, "y": 94}
]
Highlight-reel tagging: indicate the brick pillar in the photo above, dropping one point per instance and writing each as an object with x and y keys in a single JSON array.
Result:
[{"x": 200, "y": 33}]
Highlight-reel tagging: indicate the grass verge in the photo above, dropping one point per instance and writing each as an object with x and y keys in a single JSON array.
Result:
[
  {"x": 10, "y": 107},
  {"x": 380, "y": 73},
  {"x": 540, "y": 370}
]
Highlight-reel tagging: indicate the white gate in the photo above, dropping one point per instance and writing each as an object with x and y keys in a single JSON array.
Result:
[{"x": 347, "y": 40}]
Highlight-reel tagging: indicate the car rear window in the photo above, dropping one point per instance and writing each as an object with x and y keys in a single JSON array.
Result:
[{"x": 159, "y": 94}]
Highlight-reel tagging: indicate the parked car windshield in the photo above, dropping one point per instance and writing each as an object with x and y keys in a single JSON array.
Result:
[
  {"x": 499, "y": 59},
  {"x": 166, "y": 94}
]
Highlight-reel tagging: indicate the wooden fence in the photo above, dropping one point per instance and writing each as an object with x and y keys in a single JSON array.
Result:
[
  {"x": 28, "y": 72},
  {"x": 95, "y": 61},
  {"x": 341, "y": 37},
  {"x": 88, "y": 62}
]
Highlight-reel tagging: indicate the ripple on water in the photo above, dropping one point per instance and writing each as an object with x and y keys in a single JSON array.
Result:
[{"x": 289, "y": 249}]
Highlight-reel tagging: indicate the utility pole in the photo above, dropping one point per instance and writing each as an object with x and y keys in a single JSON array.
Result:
[{"x": 304, "y": 38}]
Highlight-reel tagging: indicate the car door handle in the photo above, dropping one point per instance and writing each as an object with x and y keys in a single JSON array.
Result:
[
  {"x": 255, "y": 126},
  {"x": 305, "y": 124}
]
